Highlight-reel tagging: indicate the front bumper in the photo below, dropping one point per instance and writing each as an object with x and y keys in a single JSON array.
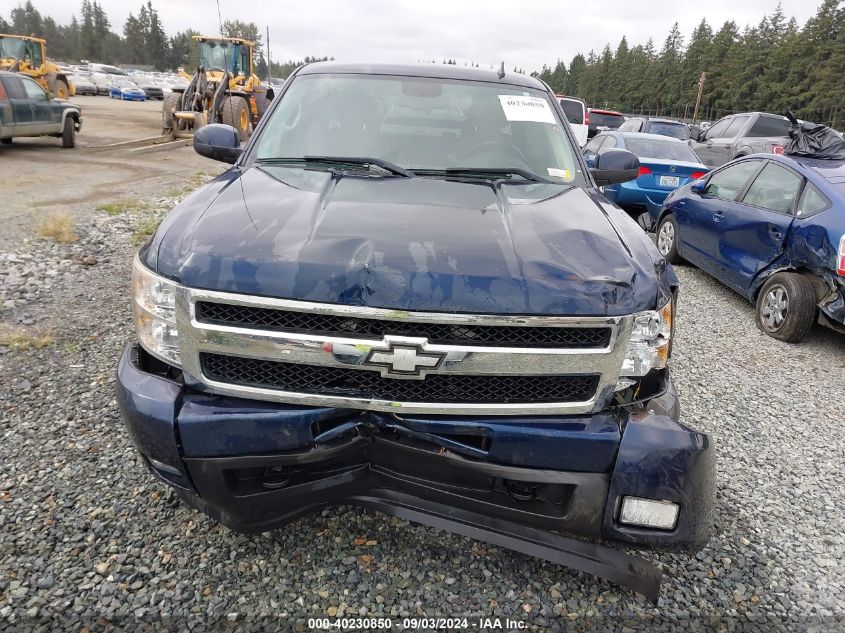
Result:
[{"x": 255, "y": 466}]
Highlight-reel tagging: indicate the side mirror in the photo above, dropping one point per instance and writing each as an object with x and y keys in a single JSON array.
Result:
[
  {"x": 590, "y": 158},
  {"x": 218, "y": 142},
  {"x": 698, "y": 187},
  {"x": 50, "y": 95},
  {"x": 696, "y": 133},
  {"x": 614, "y": 166}
]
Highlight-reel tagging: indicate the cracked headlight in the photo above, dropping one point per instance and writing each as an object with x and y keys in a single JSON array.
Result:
[
  {"x": 154, "y": 311},
  {"x": 649, "y": 344}
]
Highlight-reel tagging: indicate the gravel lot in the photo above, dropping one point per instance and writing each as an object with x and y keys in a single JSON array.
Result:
[{"x": 89, "y": 539}]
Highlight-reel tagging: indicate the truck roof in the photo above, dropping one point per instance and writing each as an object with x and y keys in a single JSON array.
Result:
[{"x": 438, "y": 71}]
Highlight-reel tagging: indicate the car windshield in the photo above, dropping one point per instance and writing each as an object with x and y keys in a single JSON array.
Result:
[
  {"x": 12, "y": 48},
  {"x": 420, "y": 124},
  {"x": 667, "y": 128},
  {"x": 655, "y": 148}
]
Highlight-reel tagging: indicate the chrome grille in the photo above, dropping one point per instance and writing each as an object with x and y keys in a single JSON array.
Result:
[
  {"x": 437, "y": 333},
  {"x": 339, "y": 381},
  {"x": 319, "y": 354}
]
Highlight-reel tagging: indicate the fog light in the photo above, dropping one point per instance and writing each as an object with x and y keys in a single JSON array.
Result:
[{"x": 649, "y": 513}]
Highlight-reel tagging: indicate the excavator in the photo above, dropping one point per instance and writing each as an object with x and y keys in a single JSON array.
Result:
[
  {"x": 28, "y": 55},
  {"x": 224, "y": 89}
]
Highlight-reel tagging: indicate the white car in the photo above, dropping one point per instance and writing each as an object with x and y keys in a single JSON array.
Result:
[{"x": 576, "y": 113}]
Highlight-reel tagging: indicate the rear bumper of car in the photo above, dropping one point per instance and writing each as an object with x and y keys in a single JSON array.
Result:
[
  {"x": 629, "y": 194},
  {"x": 255, "y": 466}
]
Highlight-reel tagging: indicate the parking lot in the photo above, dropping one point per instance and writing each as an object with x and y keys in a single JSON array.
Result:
[
  {"x": 91, "y": 540},
  {"x": 78, "y": 180}
]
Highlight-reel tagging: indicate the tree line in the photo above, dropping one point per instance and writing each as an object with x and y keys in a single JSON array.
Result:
[
  {"x": 771, "y": 66},
  {"x": 143, "y": 41}
]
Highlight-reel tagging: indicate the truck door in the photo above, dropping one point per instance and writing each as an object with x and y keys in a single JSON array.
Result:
[
  {"x": 45, "y": 120},
  {"x": 754, "y": 230},
  {"x": 20, "y": 106},
  {"x": 704, "y": 147},
  {"x": 721, "y": 148}
]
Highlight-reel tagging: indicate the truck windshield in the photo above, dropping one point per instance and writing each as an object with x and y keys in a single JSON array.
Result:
[
  {"x": 420, "y": 124},
  {"x": 221, "y": 56},
  {"x": 12, "y": 49}
]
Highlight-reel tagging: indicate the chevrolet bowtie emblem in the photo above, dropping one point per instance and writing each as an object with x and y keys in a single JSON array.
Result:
[{"x": 404, "y": 360}]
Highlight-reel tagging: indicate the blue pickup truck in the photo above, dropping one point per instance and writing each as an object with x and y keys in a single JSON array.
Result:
[
  {"x": 26, "y": 109},
  {"x": 408, "y": 294}
]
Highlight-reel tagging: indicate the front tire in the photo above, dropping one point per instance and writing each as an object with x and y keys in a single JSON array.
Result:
[
  {"x": 786, "y": 307},
  {"x": 236, "y": 114},
  {"x": 69, "y": 133},
  {"x": 667, "y": 239},
  {"x": 172, "y": 102}
]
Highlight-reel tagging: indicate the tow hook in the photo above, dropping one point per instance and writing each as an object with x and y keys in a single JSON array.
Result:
[
  {"x": 520, "y": 491},
  {"x": 275, "y": 477}
]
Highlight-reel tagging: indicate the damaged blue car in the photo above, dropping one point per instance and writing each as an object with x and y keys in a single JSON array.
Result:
[
  {"x": 408, "y": 294},
  {"x": 772, "y": 228}
]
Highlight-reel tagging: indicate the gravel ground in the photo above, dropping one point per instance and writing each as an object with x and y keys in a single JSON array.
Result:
[{"x": 90, "y": 540}]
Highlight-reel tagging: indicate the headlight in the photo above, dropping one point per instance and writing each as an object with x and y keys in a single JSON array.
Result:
[
  {"x": 154, "y": 310},
  {"x": 648, "y": 347}
]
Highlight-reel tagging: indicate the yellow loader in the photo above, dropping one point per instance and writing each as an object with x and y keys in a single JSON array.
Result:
[
  {"x": 28, "y": 55},
  {"x": 224, "y": 89}
]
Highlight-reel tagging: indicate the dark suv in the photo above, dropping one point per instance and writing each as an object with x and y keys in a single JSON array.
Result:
[
  {"x": 26, "y": 109},
  {"x": 409, "y": 294}
]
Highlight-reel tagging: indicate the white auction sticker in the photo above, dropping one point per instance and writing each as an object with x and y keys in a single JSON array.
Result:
[{"x": 519, "y": 108}]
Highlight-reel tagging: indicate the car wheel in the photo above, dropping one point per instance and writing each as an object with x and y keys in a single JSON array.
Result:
[
  {"x": 69, "y": 132},
  {"x": 667, "y": 239},
  {"x": 786, "y": 307}
]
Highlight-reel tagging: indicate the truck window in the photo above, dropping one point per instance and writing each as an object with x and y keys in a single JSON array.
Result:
[
  {"x": 35, "y": 54},
  {"x": 770, "y": 126},
  {"x": 715, "y": 131},
  {"x": 33, "y": 90},
  {"x": 735, "y": 127},
  {"x": 727, "y": 183},
  {"x": 774, "y": 189},
  {"x": 574, "y": 111},
  {"x": 14, "y": 88}
]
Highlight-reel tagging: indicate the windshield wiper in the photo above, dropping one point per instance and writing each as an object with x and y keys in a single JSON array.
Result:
[
  {"x": 382, "y": 164},
  {"x": 498, "y": 173}
]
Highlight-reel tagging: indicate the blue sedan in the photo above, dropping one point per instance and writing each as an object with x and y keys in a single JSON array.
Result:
[
  {"x": 772, "y": 228},
  {"x": 126, "y": 91},
  {"x": 665, "y": 164}
]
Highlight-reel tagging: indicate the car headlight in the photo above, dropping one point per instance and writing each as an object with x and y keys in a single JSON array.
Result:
[
  {"x": 154, "y": 311},
  {"x": 649, "y": 344}
]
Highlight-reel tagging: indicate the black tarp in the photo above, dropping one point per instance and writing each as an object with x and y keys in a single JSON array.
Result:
[{"x": 812, "y": 140}]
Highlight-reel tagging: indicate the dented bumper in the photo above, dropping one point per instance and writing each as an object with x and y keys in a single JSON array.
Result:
[{"x": 520, "y": 483}]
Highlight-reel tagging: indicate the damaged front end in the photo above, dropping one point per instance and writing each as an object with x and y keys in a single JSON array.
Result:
[{"x": 547, "y": 486}]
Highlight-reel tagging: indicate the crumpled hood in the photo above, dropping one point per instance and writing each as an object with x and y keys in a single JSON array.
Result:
[{"x": 408, "y": 243}]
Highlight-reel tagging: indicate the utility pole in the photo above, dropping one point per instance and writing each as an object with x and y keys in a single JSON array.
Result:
[
  {"x": 698, "y": 98},
  {"x": 269, "y": 62}
]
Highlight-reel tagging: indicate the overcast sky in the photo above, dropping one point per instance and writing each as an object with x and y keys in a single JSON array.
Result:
[{"x": 523, "y": 33}]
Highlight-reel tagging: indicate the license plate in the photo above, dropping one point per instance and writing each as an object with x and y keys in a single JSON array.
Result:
[{"x": 670, "y": 181}]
